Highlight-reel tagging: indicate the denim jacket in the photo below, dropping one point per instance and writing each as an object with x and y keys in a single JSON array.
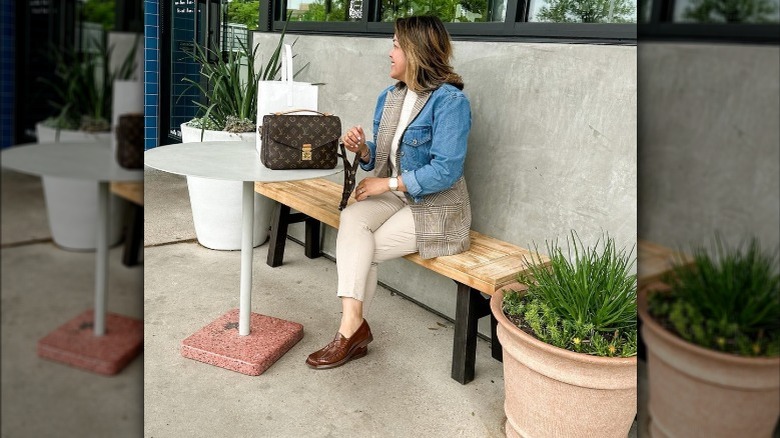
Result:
[
  {"x": 431, "y": 155},
  {"x": 433, "y": 147}
]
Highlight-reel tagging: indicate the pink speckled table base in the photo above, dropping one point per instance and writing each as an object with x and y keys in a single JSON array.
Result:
[
  {"x": 220, "y": 344},
  {"x": 74, "y": 343}
]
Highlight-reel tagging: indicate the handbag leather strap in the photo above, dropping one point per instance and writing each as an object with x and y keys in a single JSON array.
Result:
[
  {"x": 281, "y": 113},
  {"x": 350, "y": 173}
]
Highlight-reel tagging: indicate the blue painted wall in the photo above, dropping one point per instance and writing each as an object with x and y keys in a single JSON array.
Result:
[
  {"x": 7, "y": 73},
  {"x": 151, "y": 73}
]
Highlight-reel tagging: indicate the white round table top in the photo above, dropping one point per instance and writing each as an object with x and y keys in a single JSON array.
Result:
[
  {"x": 81, "y": 161},
  {"x": 223, "y": 160}
]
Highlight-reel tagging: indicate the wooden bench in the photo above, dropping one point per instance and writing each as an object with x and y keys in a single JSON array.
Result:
[
  {"x": 486, "y": 267},
  {"x": 133, "y": 192}
]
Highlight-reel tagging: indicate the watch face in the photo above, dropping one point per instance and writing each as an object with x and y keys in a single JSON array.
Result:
[{"x": 393, "y": 183}]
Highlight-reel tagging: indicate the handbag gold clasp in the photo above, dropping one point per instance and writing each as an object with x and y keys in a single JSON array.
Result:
[{"x": 306, "y": 152}]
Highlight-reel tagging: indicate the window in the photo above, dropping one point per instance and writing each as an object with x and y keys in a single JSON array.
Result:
[
  {"x": 588, "y": 21},
  {"x": 572, "y": 11},
  {"x": 610, "y": 21},
  {"x": 449, "y": 11},
  {"x": 741, "y": 21},
  {"x": 727, "y": 11}
]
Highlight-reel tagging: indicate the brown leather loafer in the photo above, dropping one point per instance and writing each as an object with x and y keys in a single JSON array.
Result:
[{"x": 342, "y": 350}]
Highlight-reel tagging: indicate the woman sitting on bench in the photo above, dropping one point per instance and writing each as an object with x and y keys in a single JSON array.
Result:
[{"x": 417, "y": 199}]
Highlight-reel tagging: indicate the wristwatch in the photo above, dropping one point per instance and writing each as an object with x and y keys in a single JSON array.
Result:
[{"x": 393, "y": 182}]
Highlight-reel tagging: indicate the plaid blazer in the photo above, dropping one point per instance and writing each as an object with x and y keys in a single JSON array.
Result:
[{"x": 442, "y": 218}]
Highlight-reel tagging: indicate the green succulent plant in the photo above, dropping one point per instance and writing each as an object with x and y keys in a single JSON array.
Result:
[
  {"x": 727, "y": 299},
  {"x": 83, "y": 86},
  {"x": 583, "y": 301}
]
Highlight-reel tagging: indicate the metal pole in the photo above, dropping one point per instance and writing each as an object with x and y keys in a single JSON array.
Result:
[
  {"x": 101, "y": 262},
  {"x": 247, "y": 217}
]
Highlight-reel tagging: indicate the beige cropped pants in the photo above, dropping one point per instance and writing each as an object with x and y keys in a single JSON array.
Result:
[{"x": 371, "y": 231}]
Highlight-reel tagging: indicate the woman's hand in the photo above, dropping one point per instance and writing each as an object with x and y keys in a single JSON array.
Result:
[
  {"x": 355, "y": 141},
  {"x": 371, "y": 186}
]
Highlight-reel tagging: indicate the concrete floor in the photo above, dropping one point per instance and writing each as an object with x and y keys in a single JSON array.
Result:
[
  {"x": 402, "y": 387},
  {"x": 44, "y": 286}
]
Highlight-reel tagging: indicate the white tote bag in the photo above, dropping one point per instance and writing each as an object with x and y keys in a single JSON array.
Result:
[{"x": 284, "y": 95}]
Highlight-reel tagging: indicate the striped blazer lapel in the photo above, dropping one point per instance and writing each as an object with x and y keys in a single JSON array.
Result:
[{"x": 391, "y": 113}]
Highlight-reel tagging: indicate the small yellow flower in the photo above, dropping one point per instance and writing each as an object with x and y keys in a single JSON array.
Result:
[
  {"x": 612, "y": 349},
  {"x": 576, "y": 341},
  {"x": 756, "y": 348},
  {"x": 721, "y": 341}
]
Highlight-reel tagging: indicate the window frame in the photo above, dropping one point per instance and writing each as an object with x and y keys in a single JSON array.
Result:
[
  {"x": 660, "y": 27},
  {"x": 515, "y": 28}
]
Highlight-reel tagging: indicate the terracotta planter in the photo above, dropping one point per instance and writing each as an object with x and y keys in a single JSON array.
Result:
[
  {"x": 216, "y": 205},
  {"x": 696, "y": 392},
  {"x": 552, "y": 392}
]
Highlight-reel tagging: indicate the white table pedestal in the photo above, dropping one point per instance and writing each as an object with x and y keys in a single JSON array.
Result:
[
  {"x": 95, "y": 340},
  {"x": 239, "y": 340}
]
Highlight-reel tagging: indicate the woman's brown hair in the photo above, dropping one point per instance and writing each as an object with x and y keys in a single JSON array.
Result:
[{"x": 428, "y": 50}]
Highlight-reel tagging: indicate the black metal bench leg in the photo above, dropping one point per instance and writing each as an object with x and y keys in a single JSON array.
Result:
[
  {"x": 464, "y": 350},
  {"x": 134, "y": 237},
  {"x": 312, "y": 244},
  {"x": 495, "y": 345},
  {"x": 279, "y": 223}
]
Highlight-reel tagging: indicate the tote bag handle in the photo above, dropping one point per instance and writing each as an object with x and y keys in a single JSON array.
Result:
[{"x": 287, "y": 72}]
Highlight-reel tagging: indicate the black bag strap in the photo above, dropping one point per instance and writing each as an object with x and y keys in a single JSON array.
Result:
[{"x": 350, "y": 173}]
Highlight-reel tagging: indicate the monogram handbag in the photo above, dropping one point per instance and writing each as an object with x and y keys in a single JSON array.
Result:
[
  {"x": 130, "y": 141},
  {"x": 300, "y": 141}
]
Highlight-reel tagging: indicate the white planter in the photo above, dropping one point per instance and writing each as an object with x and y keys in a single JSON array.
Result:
[
  {"x": 71, "y": 205},
  {"x": 216, "y": 205}
]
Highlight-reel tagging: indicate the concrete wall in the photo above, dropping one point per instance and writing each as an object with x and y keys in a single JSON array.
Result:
[
  {"x": 552, "y": 146},
  {"x": 709, "y": 136},
  {"x": 122, "y": 43}
]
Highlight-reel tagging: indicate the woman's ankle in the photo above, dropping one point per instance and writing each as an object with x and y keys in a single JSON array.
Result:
[
  {"x": 349, "y": 325},
  {"x": 351, "y": 316}
]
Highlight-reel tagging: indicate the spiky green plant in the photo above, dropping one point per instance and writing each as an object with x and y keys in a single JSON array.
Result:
[
  {"x": 84, "y": 86},
  {"x": 727, "y": 299},
  {"x": 583, "y": 301},
  {"x": 226, "y": 93}
]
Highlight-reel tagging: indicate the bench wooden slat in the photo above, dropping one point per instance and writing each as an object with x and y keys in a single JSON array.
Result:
[
  {"x": 655, "y": 260},
  {"x": 132, "y": 191},
  {"x": 489, "y": 265},
  {"x": 319, "y": 198}
]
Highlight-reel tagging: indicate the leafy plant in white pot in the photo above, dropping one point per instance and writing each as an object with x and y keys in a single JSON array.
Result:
[
  {"x": 84, "y": 91},
  {"x": 229, "y": 114},
  {"x": 569, "y": 344}
]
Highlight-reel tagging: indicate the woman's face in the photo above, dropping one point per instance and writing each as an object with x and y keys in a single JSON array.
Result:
[{"x": 397, "y": 62}]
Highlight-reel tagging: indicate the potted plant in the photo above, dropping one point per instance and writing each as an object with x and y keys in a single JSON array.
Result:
[
  {"x": 84, "y": 92},
  {"x": 569, "y": 342},
  {"x": 83, "y": 87},
  {"x": 712, "y": 331},
  {"x": 229, "y": 113}
]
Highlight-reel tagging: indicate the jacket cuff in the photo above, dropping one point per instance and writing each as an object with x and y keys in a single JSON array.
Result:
[
  {"x": 412, "y": 185},
  {"x": 371, "y": 161}
]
